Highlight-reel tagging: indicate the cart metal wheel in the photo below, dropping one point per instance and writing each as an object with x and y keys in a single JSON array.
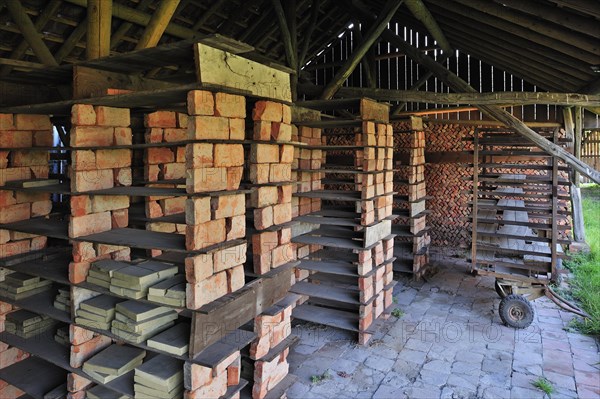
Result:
[
  {"x": 502, "y": 290},
  {"x": 516, "y": 311}
]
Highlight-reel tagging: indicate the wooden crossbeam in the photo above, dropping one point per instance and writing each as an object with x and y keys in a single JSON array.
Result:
[
  {"x": 99, "y": 16},
  {"x": 314, "y": 15},
  {"x": 359, "y": 52},
  {"x": 30, "y": 33},
  {"x": 286, "y": 35},
  {"x": 158, "y": 23},
  {"x": 125, "y": 26},
  {"x": 420, "y": 11}
]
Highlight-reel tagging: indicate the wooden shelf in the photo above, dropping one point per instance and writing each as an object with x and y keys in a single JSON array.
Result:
[
  {"x": 47, "y": 376},
  {"x": 331, "y": 293},
  {"x": 41, "y": 303},
  {"x": 332, "y": 124},
  {"x": 40, "y": 226},
  {"x": 326, "y": 316},
  {"x": 54, "y": 269}
]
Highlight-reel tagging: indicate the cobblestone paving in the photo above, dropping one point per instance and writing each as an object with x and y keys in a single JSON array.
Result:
[{"x": 449, "y": 343}]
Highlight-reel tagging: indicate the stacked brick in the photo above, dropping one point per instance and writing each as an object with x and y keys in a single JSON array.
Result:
[
  {"x": 9, "y": 355},
  {"x": 165, "y": 164},
  {"x": 270, "y": 171},
  {"x": 205, "y": 382},
  {"x": 96, "y": 165},
  {"x": 267, "y": 364},
  {"x": 214, "y": 164},
  {"x": 16, "y": 133},
  {"x": 84, "y": 345}
]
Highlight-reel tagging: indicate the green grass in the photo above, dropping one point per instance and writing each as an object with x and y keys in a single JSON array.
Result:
[
  {"x": 543, "y": 385},
  {"x": 316, "y": 379},
  {"x": 397, "y": 313},
  {"x": 586, "y": 268}
]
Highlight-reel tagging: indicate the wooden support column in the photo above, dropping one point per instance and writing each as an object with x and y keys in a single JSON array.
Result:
[
  {"x": 125, "y": 26},
  {"x": 372, "y": 34},
  {"x": 459, "y": 85},
  {"x": 30, "y": 33},
  {"x": 158, "y": 23},
  {"x": 577, "y": 136},
  {"x": 99, "y": 15},
  {"x": 292, "y": 23},
  {"x": 286, "y": 35}
]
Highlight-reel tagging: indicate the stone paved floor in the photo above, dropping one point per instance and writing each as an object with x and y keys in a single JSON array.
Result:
[{"x": 450, "y": 343}]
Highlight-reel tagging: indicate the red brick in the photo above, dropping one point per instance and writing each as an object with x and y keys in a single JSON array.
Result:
[
  {"x": 262, "y": 130},
  {"x": 228, "y": 155},
  {"x": 287, "y": 153},
  {"x": 102, "y": 203},
  {"x": 159, "y": 155},
  {"x": 112, "y": 159},
  {"x": 225, "y": 206},
  {"x": 230, "y": 105},
  {"x": 172, "y": 206},
  {"x": 89, "y": 224},
  {"x": 263, "y": 217},
  {"x": 28, "y": 196},
  {"x": 3, "y": 159},
  {"x": 182, "y": 120},
  {"x": 29, "y": 158},
  {"x": 204, "y": 235},
  {"x": 284, "y": 194},
  {"x": 264, "y": 153},
  {"x": 237, "y": 129},
  {"x": 206, "y": 291},
  {"x": 259, "y": 173},
  {"x": 11, "y": 356},
  {"x": 119, "y": 218},
  {"x": 123, "y": 136},
  {"x": 175, "y": 135},
  {"x": 7, "y": 198},
  {"x": 122, "y": 176},
  {"x": 43, "y": 138},
  {"x": 199, "y": 155},
  {"x": 282, "y": 213},
  {"x": 280, "y": 173},
  {"x": 234, "y": 372},
  {"x": 160, "y": 119},
  {"x": 91, "y": 136},
  {"x": 76, "y": 382},
  {"x": 282, "y": 255},
  {"x": 16, "y": 139},
  {"x": 81, "y": 205},
  {"x": 83, "y": 251},
  {"x": 284, "y": 236},
  {"x": 83, "y": 115},
  {"x": 286, "y": 113},
  {"x": 83, "y": 160},
  {"x": 173, "y": 170},
  {"x": 206, "y": 179},
  {"x": 14, "y": 213},
  {"x": 267, "y": 111},
  {"x": 10, "y": 391},
  {"x": 7, "y": 122},
  {"x": 200, "y": 102},
  {"x": 234, "y": 177},
  {"x": 229, "y": 257},
  {"x": 264, "y": 196},
  {"x": 235, "y": 278},
  {"x": 4, "y": 236},
  {"x": 109, "y": 116},
  {"x": 32, "y": 122},
  {"x": 208, "y": 128},
  {"x": 264, "y": 242},
  {"x": 41, "y": 208},
  {"x": 235, "y": 227},
  {"x": 92, "y": 180},
  {"x": 180, "y": 154},
  {"x": 78, "y": 272},
  {"x": 80, "y": 353},
  {"x": 197, "y": 210},
  {"x": 14, "y": 248},
  {"x": 281, "y": 131},
  {"x": 199, "y": 267}
]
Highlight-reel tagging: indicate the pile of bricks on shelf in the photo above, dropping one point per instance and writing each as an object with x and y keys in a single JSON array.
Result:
[
  {"x": 96, "y": 165},
  {"x": 165, "y": 164},
  {"x": 375, "y": 206},
  {"x": 271, "y": 156},
  {"x": 266, "y": 364},
  {"x": 306, "y": 162},
  {"x": 23, "y": 131},
  {"x": 84, "y": 345},
  {"x": 205, "y": 382},
  {"x": 9, "y": 355},
  {"x": 214, "y": 167}
]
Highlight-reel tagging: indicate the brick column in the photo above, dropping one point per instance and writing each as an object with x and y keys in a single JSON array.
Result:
[
  {"x": 21, "y": 132},
  {"x": 204, "y": 382},
  {"x": 97, "y": 165},
  {"x": 214, "y": 164}
]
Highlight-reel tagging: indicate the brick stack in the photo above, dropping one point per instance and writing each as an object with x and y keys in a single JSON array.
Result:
[
  {"x": 271, "y": 158},
  {"x": 9, "y": 355},
  {"x": 98, "y": 166},
  {"x": 205, "y": 382},
  {"x": 17, "y": 132},
  {"x": 214, "y": 163},
  {"x": 267, "y": 365},
  {"x": 164, "y": 164}
]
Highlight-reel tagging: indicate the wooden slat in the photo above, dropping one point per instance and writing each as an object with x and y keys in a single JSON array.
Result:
[{"x": 329, "y": 317}]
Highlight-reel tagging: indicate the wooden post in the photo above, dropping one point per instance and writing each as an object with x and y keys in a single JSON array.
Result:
[
  {"x": 99, "y": 15},
  {"x": 474, "y": 206},
  {"x": 351, "y": 63},
  {"x": 577, "y": 141},
  {"x": 158, "y": 23},
  {"x": 285, "y": 33},
  {"x": 577, "y": 209},
  {"x": 30, "y": 33}
]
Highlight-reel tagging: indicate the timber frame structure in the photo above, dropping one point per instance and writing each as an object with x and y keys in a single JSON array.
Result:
[{"x": 217, "y": 145}]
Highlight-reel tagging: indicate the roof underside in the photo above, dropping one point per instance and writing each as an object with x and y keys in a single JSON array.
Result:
[{"x": 548, "y": 39}]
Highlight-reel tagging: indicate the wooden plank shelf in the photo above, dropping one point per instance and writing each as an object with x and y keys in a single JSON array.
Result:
[
  {"x": 42, "y": 303},
  {"x": 331, "y": 267},
  {"x": 43, "y": 346},
  {"x": 336, "y": 195},
  {"x": 539, "y": 226},
  {"x": 232, "y": 342},
  {"x": 47, "y": 376},
  {"x": 340, "y": 171},
  {"x": 233, "y": 390},
  {"x": 326, "y": 316},
  {"x": 332, "y": 242},
  {"x": 332, "y": 124},
  {"x": 499, "y": 234},
  {"x": 40, "y": 226},
  {"x": 53, "y": 269},
  {"x": 336, "y": 294}
]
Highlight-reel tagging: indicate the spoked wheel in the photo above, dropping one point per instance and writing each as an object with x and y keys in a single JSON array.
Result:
[
  {"x": 516, "y": 311},
  {"x": 501, "y": 290}
]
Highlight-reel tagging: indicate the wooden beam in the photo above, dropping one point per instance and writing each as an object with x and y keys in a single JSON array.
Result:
[
  {"x": 286, "y": 35},
  {"x": 399, "y": 54},
  {"x": 39, "y": 24},
  {"x": 22, "y": 64},
  {"x": 74, "y": 38},
  {"x": 459, "y": 85},
  {"x": 420, "y": 11},
  {"x": 99, "y": 17},
  {"x": 122, "y": 30},
  {"x": 577, "y": 214},
  {"x": 208, "y": 13},
  {"x": 290, "y": 8},
  {"x": 359, "y": 52},
  {"x": 314, "y": 15},
  {"x": 158, "y": 23},
  {"x": 578, "y": 133},
  {"x": 559, "y": 16},
  {"x": 589, "y": 7},
  {"x": 30, "y": 33},
  {"x": 515, "y": 29},
  {"x": 367, "y": 67}
]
